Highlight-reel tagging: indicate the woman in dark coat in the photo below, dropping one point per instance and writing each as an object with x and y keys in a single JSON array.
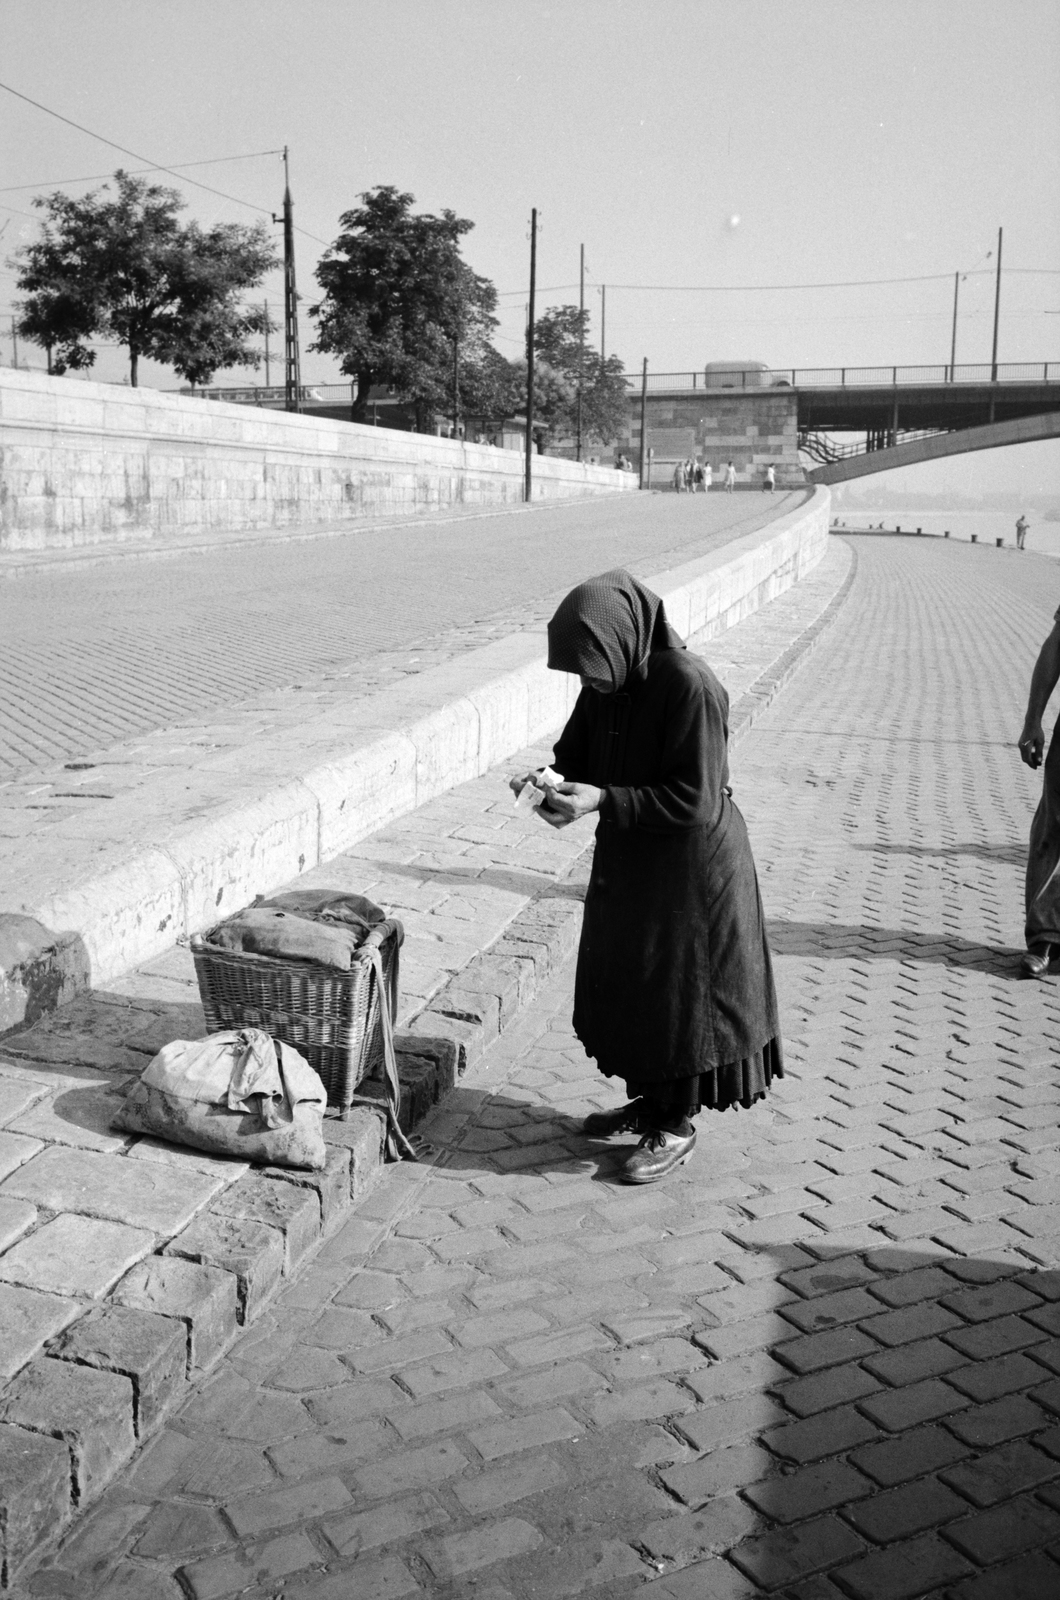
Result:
[{"x": 674, "y": 990}]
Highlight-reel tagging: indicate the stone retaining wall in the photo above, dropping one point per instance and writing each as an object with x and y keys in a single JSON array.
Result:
[{"x": 90, "y": 463}]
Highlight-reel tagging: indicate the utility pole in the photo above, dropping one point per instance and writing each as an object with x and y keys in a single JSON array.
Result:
[
  {"x": 953, "y": 341},
  {"x": 603, "y": 322},
  {"x": 581, "y": 351},
  {"x": 997, "y": 309},
  {"x": 456, "y": 386},
  {"x": 643, "y": 420},
  {"x": 292, "y": 359},
  {"x": 14, "y": 343},
  {"x": 529, "y": 485},
  {"x": 268, "y": 364}
]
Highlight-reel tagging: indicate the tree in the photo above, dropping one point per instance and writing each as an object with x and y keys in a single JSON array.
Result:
[
  {"x": 558, "y": 343},
  {"x": 492, "y": 388},
  {"x": 126, "y": 268},
  {"x": 400, "y": 305}
]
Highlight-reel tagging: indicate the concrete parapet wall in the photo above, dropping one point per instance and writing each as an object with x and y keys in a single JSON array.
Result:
[
  {"x": 160, "y": 865},
  {"x": 89, "y": 463}
]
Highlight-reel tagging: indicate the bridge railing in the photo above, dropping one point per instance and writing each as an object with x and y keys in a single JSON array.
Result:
[
  {"x": 260, "y": 394},
  {"x": 718, "y": 381}
]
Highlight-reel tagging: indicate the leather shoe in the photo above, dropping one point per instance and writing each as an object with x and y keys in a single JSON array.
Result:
[
  {"x": 1035, "y": 963},
  {"x": 658, "y": 1153},
  {"x": 624, "y": 1119}
]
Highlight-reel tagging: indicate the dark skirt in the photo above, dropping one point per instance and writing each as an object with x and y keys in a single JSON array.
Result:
[{"x": 737, "y": 1083}]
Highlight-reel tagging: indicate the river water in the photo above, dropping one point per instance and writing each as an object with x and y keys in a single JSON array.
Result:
[{"x": 1044, "y": 537}]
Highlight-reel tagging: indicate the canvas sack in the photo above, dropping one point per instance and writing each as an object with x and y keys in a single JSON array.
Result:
[{"x": 237, "y": 1094}]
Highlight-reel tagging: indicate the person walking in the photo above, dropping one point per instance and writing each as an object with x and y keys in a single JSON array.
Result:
[
  {"x": 679, "y": 477},
  {"x": 771, "y": 478},
  {"x": 674, "y": 990},
  {"x": 1022, "y": 526},
  {"x": 697, "y": 477},
  {"x": 1042, "y": 930},
  {"x": 730, "y": 478},
  {"x": 708, "y": 477},
  {"x": 690, "y": 476}
]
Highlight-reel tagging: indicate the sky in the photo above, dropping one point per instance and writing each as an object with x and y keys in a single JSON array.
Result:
[{"x": 720, "y": 146}]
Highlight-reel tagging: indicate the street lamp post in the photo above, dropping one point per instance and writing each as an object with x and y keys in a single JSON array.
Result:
[
  {"x": 529, "y": 481},
  {"x": 997, "y": 310},
  {"x": 292, "y": 358},
  {"x": 581, "y": 350}
]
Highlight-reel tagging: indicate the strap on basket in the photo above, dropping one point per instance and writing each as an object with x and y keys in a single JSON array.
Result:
[{"x": 397, "y": 1147}]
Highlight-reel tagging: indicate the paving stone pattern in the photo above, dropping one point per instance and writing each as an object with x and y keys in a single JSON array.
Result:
[
  {"x": 98, "y": 655},
  {"x": 822, "y": 1359},
  {"x": 123, "y": 1254}
]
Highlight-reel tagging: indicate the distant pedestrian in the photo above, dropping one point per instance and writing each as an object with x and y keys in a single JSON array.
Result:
[
  {"x": 708, "y": 477},
  {"x": 1022, "y": 526},
  {"x": 1043, "y": 856},
  {"x": 771, "y": 478},
  {"x": 697, "y": 476},
  {"x": 730, "y": 478},
  {"x": 679, "y": 477},
  {"x": 690, "y": 475}
]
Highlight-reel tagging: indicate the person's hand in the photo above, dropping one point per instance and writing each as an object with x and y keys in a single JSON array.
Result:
[
  {"x": 1032, "y": 744},
  {"x": 517, "y": 785},
  {"x": 572, "y": 800}
]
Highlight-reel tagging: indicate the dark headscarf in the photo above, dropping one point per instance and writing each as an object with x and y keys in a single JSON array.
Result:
[{"x": 607, "y": 627}]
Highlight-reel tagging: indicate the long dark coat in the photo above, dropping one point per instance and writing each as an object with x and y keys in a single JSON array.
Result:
[{"x": 674, "y": 976}]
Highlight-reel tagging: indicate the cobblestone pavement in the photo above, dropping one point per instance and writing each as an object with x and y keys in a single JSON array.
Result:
[
  {"x": 821, "y": 1360},
  {"x": 94, "y": 656}
]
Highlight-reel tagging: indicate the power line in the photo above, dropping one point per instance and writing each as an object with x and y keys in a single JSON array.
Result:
[
  {"x": 178, "y": 166},
  {"x": 766, "y": 288},
  {"x": 155, "y": 166}
]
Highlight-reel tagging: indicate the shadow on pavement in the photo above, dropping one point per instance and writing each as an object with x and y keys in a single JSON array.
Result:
[
  {"x": 487, "y": 1132},
  {"x": 918, "y": 1442},
  {"x": 844, "y": 941},
  {"x": 1009, "y": 855},
  {"x": 510, "y": 880}
]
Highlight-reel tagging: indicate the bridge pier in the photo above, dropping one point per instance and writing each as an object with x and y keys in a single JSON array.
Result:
[{"x": 752, "y": 428}]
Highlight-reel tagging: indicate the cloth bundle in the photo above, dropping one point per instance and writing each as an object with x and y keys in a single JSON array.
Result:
[
  {"x": 303, "y": 925},
  {"x": 235, "y": 1094}
]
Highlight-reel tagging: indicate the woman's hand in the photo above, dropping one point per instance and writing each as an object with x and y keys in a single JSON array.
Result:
[
  {"x": 571, "y": 801},
  {"x": 1032, "y": 744}
]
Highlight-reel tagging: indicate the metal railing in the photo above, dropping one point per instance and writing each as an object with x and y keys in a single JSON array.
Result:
[
  {"x": 823, "y": 448},
  {"x": 253, "y": 394},
  {"x": 718, "y": 381}
]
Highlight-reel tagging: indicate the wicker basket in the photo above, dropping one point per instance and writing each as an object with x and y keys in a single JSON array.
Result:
[{"x": 331, "y": 1018}]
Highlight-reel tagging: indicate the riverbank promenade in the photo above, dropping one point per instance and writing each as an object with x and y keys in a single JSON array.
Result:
[{"x": 819, "y": 1362}]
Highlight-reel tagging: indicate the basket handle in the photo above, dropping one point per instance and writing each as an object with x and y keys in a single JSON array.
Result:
[
  {"x": 376, "y": 937},
  {"x": 397, "y": 1146}
]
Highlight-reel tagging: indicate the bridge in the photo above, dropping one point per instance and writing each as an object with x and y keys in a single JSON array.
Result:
[
  {"x": 901, "y": 415},
  {"x": 849, "y": 421}
]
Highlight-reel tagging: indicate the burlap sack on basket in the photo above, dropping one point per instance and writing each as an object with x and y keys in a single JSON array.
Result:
[{"x": 234, "y": 1094}]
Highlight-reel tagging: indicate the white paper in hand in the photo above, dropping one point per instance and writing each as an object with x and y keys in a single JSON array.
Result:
[{"x": 532, "y": 794}]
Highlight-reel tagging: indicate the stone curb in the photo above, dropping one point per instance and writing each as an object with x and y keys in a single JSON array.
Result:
[
  {"x": 402, "y": 748},
  {"x": 108, "y": 1379},
  {"x": 749, "y": 707}
]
